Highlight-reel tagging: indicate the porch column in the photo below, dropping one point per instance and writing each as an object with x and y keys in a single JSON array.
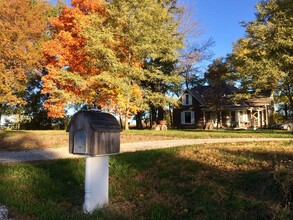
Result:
[
  {"x": 258, "y": 118},
  {"x": 230, "y": 118},
  {"x": 267, "y": 117},
  {"x": 251, "y": 121},
  {"x": 263, "y": 118},
  {"x": 204, "y": 117}
]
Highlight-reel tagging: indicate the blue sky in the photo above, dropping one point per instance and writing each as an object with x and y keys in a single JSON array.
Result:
[{"x": 220, "y": 20}]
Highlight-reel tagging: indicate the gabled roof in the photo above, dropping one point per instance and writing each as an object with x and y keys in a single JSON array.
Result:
[
  {"x": 198, "y": 93},
  {"x": 201, "y": 94}
]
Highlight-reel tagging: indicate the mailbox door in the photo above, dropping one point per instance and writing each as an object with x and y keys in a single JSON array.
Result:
[{"x": 79, "y": 142}]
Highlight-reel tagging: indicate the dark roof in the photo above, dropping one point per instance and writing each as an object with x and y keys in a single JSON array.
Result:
[
  {"x": 258, "y": 101},
  {"x": 201, "y": 92},
  {"x": 259, "y": 98}
]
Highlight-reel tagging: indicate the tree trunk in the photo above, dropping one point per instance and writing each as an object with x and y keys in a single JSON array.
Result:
[
  {"x": 126, "y": 126},
  {"x": 286, "y": 110},
  {"x": 290, "y": 98},
  {"x": 50, "y": 123},
  {"x": 153, "y": 115},
  {"x": 139, "y": 120},
  {"x": 1, "y": 106},
  {"x": 171, "y": 116},
  {"x": 291, "y": 105},
  {"x": 218, "y": 118},
  {"x": 161, "y": 114},
  {"x": 19, "y": 120}
]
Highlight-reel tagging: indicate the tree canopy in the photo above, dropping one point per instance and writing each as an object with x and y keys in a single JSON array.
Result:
[
  {"x": 68, "y": 72},
  {"x": 22, "y": 30},
  {"x": 100, "y": 51},
  {"x": 264, "y": 58},
  {"x": 139, "y": 33},
  {"x": 118, "y": 55}
]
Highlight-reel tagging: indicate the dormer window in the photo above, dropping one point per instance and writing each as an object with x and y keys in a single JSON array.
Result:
[{"x": 186, "y": 99}]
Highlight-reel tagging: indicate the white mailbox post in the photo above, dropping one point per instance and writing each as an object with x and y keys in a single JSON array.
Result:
[{"x": 95, "y": 134}]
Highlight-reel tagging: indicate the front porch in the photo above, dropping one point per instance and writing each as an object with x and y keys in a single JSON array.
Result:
[{"x": 244, "y": 118}]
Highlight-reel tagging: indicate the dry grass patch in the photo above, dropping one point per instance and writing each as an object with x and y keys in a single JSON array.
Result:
[{"x": 28, "y": 140}]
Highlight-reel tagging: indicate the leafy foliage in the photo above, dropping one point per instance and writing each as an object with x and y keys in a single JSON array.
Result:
[
  {"x": 67, "y": 61},
  {"x": 220, "y": 90},
  {"x": 139, "y": 33},
  {"x": 99, "y": 52},
  {"x": 22, "y": 29},
  {"x": 263, "y": 59}
]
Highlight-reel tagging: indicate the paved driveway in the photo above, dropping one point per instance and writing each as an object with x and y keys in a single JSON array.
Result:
[{"x": 59, "y": 153}]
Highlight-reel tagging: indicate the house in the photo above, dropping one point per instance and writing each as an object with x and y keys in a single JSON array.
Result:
[{"x": 196, "y": 109}]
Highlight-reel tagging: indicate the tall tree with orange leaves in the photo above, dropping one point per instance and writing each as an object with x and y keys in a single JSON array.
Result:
[
  {"x": 68, "y": 63},
  {"x": 99, "y": 51},
  {"x": 22, "y": 29}
]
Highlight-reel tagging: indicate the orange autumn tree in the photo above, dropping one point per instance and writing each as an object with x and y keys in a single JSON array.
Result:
[
  {"x": 69, "y": 78},
  {"x": 99, "y": 51},
  {"x": 22, "y": 29}
]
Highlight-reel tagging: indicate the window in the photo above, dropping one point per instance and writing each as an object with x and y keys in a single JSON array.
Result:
[
  {"x": 186, "y": 99},
  {"x": 187, "y": 117}
]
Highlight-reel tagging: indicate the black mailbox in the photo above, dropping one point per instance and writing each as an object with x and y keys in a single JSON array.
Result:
[{"x": 93, "y": 133}]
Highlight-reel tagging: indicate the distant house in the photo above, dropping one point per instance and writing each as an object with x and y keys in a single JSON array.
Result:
[{"x": 196, "y": 111}]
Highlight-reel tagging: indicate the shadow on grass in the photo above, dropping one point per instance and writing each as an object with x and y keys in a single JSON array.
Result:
[
  {"x": 21, "y": 142},
  {"x": 174, "y": 183},
  {"x": 165, "y": 186},
  {"x": 43, "y": 190},
  {"x": 28, "y": 140}
]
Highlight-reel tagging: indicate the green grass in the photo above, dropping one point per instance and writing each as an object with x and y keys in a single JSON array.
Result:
[
  {"x": 192, "y": 133},
  {"x": 216, "y": 181}
]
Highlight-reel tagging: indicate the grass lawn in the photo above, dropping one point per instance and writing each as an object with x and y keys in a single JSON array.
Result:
[
  {"x": 215, "y": 181},
  {"x": 25, "y": 140}
]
